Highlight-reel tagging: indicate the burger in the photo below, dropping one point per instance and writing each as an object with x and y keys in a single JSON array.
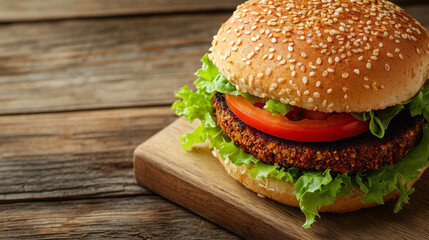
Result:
[{"x": 321, "y": 105}]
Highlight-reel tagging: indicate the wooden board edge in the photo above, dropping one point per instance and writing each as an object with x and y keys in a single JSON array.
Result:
[{"x": 165, "y": 181}]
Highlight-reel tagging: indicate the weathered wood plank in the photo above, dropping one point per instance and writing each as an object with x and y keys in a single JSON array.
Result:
[
  {"x": 31, "y": 10},
  {"x": 89, "y": 64},
  {"x": 143, "y": 217},
  {"x": 74, "y": 155},
  {"x": 100, "y": 63}
]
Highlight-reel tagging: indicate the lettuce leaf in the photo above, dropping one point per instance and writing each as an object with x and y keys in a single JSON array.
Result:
[
  {"x": 212, "y": 81},
  {"x": 278, "y": 108},
  {"x": 380, "y": 119},
  {"x": 314, "y": 189}
]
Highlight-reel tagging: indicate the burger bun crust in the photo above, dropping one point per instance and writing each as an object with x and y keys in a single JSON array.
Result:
[
  {"x": 284, "y": 192},
  {"x": 339, "y": 56}
]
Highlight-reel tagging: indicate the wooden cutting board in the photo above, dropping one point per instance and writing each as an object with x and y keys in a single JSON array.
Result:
[{"x": 196, "y": 180}]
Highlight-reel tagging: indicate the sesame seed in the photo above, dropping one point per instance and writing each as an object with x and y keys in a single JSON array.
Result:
[
  {"x": 387, "y": 67},
  {"x": 271, "y": 50},
  {"x": 330, "y": 70},
  {"x": 293, "y": 73},
  {"x": 273, "y": 86},
  {"x": 368, "y": 65},
  {"x": 366, "y": 86},
  {"x": 401, "y": 56},
  {"x": 325, "y": 73},
  {"x": 273, "y": 40},
  {"x": 345, "y": 75},
  {"x": 357, "y": 71},
  {"x": 318, "y": 83},
  {"x": 295, "y": 86},
  {"x": 260, "y": 75},
  {"x": 305, "y": 80},
  {"x": 390, "y": 55},
  {"x": 311, "y": 74},
  {"x": 268, "y": 72},
  {"x": 316, "y": 95},
  {"x": 319, "y": 61},
  {"x": 290, "y": 49},
  {"x": 306, "y": 92},
  {"x": 303, "y": 54},
  {"x": 329, "y": 91}
]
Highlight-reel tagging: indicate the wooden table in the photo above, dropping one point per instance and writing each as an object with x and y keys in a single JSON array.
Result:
[{"x": 82, "y": 83}]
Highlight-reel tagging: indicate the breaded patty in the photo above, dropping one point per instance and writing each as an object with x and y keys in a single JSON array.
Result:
[{"x": 355, "y": 154}]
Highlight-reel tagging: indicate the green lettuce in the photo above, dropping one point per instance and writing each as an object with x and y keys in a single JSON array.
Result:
[
  {"x": 314, "y": 189},
  {"x": 380, "y": 119},
  {"x": 277, "y": 108},
  {"x": 212, "y": 81}
]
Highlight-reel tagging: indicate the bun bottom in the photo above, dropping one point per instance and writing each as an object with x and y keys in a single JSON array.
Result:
[{"x": 284, "y": 192}]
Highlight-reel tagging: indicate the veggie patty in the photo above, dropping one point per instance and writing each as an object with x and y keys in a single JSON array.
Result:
[{"x": 361, "y": 153}]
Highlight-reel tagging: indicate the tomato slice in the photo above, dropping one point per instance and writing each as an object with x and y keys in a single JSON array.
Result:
[{"x": 335, "y": 127}]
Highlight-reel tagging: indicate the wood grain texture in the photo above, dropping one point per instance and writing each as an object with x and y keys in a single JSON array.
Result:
[
  {"x": 195, "y": 180},
  {"x": 35, "y": 10},
  {"x": 87, "y": 64},
  {"x": 74, "y": 155},
  {"x": 147, "y": 217},
  {"x": 31, "y": 10}
]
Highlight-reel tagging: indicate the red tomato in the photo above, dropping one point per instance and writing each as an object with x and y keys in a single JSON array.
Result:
[{"x": 335, "y": 127}]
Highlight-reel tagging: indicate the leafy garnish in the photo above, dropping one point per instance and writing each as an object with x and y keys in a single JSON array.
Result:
[
  {"x": 277, "y": 108},
  {"x": 380, "y": 119}
]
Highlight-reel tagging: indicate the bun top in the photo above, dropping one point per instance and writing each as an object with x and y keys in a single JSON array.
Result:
[{"x": 325, "y": 55}]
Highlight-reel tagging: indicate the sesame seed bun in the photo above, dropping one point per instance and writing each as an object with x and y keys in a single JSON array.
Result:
[
  {"x": 284, "y": 192},
  {"x": 330, "y": 56}
]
